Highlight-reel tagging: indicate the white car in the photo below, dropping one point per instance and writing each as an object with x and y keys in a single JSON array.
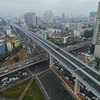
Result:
[
  {"x": 5, "y": 71},
  {"x": 25, "y": 74},
  {"x": 3, "y": 85}
]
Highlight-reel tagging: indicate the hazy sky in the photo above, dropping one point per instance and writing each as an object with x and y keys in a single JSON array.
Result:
[{"x": 69, "y": 7}]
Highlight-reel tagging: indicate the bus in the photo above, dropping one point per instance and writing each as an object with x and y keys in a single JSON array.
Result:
[{"x": 57, "y": 47}]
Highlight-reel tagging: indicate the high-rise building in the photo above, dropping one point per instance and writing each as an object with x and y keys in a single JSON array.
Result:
[
  {"x": 30, "y": 18},
  {"x": 22, "y": 19},
  {"x": 48, "y": 17},
  {"x": 38, "y": 20},
  {"x": 92, "y": 17},
  {"x": 63, "y": 17},
  {"x": 95, "y": 47},
  {"x": 93, "y": 14},
  {"x": 75, "y": 26}
]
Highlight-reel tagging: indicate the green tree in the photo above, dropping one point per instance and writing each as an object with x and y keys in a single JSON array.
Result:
[{"x": 88, "y": 33}]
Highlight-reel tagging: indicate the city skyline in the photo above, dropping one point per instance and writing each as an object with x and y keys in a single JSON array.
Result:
[{"x": 69, "y": 7}]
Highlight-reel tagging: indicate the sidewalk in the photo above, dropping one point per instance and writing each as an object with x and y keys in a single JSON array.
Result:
[{"x": 24, "y": 92}]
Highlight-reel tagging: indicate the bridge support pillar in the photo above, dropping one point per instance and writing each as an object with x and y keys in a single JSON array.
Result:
[
  {"x": 21, "y": 35},
  {"x": 34, "y": 45},
  {"x": 77, "y": 86},
  {"x": 51, "y": 61},
  {"x": 28, "y": 39},
  {"x": 24, "y": 37}
]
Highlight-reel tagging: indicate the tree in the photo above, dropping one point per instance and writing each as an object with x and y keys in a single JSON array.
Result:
[
  {"x": 16, "y": 59},
  {"x": 88, "y": 33}
]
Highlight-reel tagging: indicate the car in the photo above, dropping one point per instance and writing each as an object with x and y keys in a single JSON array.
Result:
[
  {"x": 71, "y": 81},
  {"x": 46, "y": 56},
  {"x": 3, "y": 84},
  {"x": 14, "y": 68},
  {"x": 62, "y": 70},
  {"x": 15, "y": 79},
  {"x": 19, "y": 65},
  {"x": 5, "y": 71},
  {"x": 67, "y": 78},
  {"x": 4, "y": 79},
  {"x": 87, "y": 89},
  {"x": 83, "y": 94},
  {"x": 25, "y": 74},
  {"x": 57, "y": 48},
  {"x": 10, "y": 80},
  {"x": 1, "y": 68},
  {"x": 87, "y": 98}
]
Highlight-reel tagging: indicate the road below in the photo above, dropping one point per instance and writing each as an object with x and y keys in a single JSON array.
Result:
[{"x": 54, "y": 86}]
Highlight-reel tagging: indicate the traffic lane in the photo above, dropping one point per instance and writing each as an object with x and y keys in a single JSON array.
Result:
[
  {"x": 17, "y": 65},
  {"x": 97, "y": 77},
  {"x": 54, "y": 87},
  {"x": 77, "y": 48},
  {"x": 14, "y": 74},
  {"x": 89, "y": 71},
  {"x": 89, "y": 81},
  {"x": 49, "y": 88},
  {"x": 39, "y": 67},
  {"x": 12, "y": 79},
  {"x": 65, "y": 61},
  {"x": 92, "y": 73},
  {"x": 24, "y": 66}
]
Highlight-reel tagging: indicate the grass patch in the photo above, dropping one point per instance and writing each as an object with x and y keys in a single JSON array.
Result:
[
  {"x": 15, "y": 91},
  {"x": 34, "y": 92}
]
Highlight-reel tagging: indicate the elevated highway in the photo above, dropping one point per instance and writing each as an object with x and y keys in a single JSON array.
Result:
[
  {"x": 23, "y": 64},
  {"x": 83, "y": 73},
  {"x": 77, "y": 46}
]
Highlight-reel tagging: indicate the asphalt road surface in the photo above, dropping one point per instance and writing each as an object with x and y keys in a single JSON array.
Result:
[
  {"x": 39, "y": 67},
  {"x": 53, "y": 86}
]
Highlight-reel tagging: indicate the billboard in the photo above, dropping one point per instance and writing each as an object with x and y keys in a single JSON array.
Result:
[
  {"x": 2, "y": 49},
  {"x": 16, "y": 43}
]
